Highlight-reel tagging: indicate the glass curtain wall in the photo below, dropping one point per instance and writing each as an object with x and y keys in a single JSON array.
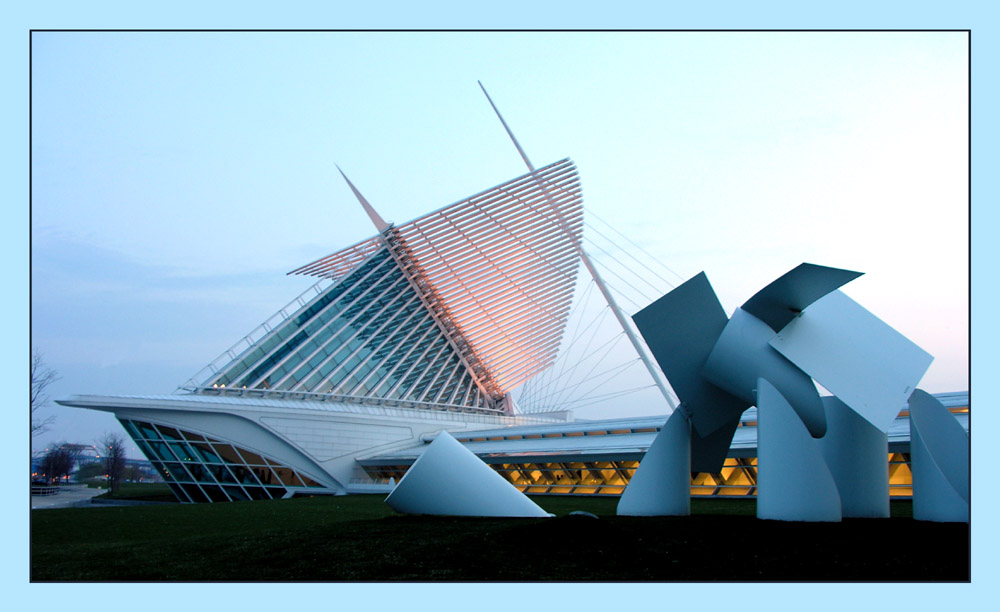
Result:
[
  {"x": 202, "y": 469},
  {"x": 368, "y": 335}
]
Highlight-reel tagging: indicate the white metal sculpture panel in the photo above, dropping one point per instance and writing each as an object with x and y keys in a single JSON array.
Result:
[
  {"x": 792, "y": 292},
  {"x": 680, "y": 329},
  {"x": 867, "y": 364},
  {"x": 939, "y": 460},
  {"x": 742, "y": 355},
  {"x": 661, "y": 485},
  {"x": 793, "y": 480},
  {"x": 448, "y": 479},
  {"x": 855, "y": 452}
]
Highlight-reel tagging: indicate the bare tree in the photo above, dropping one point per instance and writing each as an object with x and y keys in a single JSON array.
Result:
[
  {"x": 41, "y": 377},
  {"x": 112, "y": 449},
  {"x": 60, "y": 461}
]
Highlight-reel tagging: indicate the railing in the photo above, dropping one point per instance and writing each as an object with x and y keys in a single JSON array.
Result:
[
  {"x": 248, "y": 341},
  {"x": 44, "y": 490}
]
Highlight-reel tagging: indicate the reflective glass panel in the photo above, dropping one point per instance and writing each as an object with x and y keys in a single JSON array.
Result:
[
  {"x": 194, "y": 493},
  {"x": 131, "y": 429},
  {"x": 236, "y": 494},
  {"x": 287, "y": 476},
  {"x": 147, "y": 431},
  {"x": 228, "y": 453},
  {"x": 199, "y": 473},
  {"x": 243, "y": 475},
  {"x": 178, "y": 493},
  {"x": 205, "y": 452},
  {"x": 182, "y": 451},
  {"x": 176, "y": 472},
  {"x": 257, "y": 493},
  {"x": 168, "y": 433},
  {"x": 252, "y": 458},
  {"x": 264, "y": 475},
  {"x": 160, "y": 450},
  {"x": 221, "y": 473},
  {"x": 215, "y": 493}
]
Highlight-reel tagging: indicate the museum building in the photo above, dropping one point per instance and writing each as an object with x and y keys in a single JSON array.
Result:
[{"x": 427, "y": 326}]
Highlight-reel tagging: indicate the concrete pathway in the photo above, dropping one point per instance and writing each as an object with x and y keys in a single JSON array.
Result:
[{"x": 67, "y": 497}]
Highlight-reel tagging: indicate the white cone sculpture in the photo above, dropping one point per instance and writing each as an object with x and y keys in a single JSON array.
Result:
[
  {"x": 856, "y": 451},
  {"x": 939, "y": 460},
  {"x": 793, "y": 480},
  {"x": 661, "y": 485},
  {"x": 448, "y": 479}
]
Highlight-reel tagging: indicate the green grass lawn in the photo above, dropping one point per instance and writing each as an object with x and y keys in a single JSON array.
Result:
[
  {"x": 141, "y": 491},
  {"x": 359, "y": 538}
]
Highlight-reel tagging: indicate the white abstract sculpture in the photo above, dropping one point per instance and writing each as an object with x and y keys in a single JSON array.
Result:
[
  {"x": 856, "y": 451},
  {"x": 793, "y": 480},
  {"x": 939, "y": 462},
  {"x": 448, "y": 479},
  {"x": 681, "y": 328},
  {"x": 796, "y": 330},
  {"x": 867, "y": 364},
  {"x": 742, "y": 355},
  {"x": 661, "y": 485}
]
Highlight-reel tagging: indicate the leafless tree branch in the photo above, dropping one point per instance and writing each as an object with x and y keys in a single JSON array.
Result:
[{"x": 41, "y": 377}]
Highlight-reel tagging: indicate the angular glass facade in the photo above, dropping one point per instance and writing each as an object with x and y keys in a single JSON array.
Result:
[
  {"x": 368, "y": 335},
  {"x": 202, "y": 469}
]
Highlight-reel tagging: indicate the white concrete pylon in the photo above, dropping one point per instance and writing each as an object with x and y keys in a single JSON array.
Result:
[
  {"x": 939, "y": 461},
  {"x": 855, "y": 451},
  {"x": 448, "y": 479},
  {"x": 793, "y": 480},
  {"x": 661, "y": 485}
]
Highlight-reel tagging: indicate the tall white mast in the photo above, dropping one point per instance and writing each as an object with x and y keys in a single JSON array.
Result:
[{"x": 640, "y": 348}]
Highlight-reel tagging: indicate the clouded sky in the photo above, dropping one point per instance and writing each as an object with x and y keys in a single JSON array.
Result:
[{"x": 176, "y": 177}]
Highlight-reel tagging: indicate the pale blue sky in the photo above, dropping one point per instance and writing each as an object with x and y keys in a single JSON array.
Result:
[{"x": 178, "y": 176}]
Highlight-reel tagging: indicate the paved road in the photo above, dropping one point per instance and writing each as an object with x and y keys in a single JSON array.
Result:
[{"x": 68, "y": 496}]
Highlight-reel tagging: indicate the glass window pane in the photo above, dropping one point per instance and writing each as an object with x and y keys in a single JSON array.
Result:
[
  {"x": 144, "y": 448},
  {"x": 176, "y": 472},
  {"x": 192, "y": 437},
  {"x": 147, "y": 431},
  {"x": 194, "y": 493},
  {"x": 236, "y": 494},
  {"x": 221, "y": 473},
  {"x": 205, "y": 452},
  {"x": 131, "y": 428},
  {"x": 309, "y": 482},
  {"x": 178, "y": 493},
  {"x": 265, "y": 476},
  {"x": 162, "y": 470},
  {"x": 182, "y": 451},
  {"x": 244, "y": 475},
  {"x": 199, "y": 473},
  {"x": 252, "y": 458},
  {"x": 228, "y": 453},
  {"x": 168, "y": 433},
  {"x": 287, "y": 476},
  {"x": 276, "y": 492},
  {"x": 160, "y": 450},
  {"x": 215, "y": 493},
  {"x": 257, "y": 493}
]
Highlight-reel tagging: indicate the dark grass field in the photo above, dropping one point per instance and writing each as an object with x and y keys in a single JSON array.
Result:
[
  {"x": 158, "y": 492},
  {"x": 359, "y": 538}
]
